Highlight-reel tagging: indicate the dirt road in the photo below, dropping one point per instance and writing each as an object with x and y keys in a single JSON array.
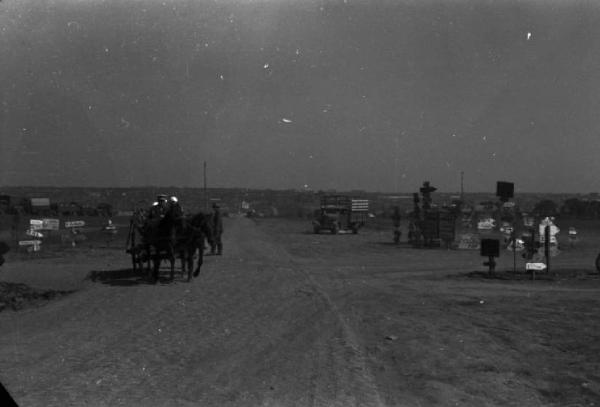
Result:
[{"x": 287, "y": 318}]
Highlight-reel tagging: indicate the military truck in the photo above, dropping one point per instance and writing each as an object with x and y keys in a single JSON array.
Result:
[{"x": 340, "y": 213}]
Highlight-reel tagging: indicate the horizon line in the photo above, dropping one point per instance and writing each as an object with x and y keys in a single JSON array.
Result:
[{"x": 330, "y": 190}]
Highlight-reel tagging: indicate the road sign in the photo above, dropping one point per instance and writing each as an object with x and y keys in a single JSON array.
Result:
[
  {"x": 535, "y": 266},
  {"x": 33, "y": 233},
  {"x": 486, "y": 224},
  {"x": 110, "y": 229},
  {"x": 36, "y": 224},
  {"x": 75, "y": 224},
  {"x": 51, "y": 224},
  {"x": 30, "y": 242},
  {"x": 469, "y": 241}
]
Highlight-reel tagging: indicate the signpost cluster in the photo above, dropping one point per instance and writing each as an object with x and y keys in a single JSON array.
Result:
[
  {"x": 40, "y": 229},
  {"x": 488, "y": 227},
  {"x": 430, "y": 226}
]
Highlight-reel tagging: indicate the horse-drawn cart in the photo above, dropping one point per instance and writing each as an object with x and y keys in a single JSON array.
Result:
[{"x": 165, "y": 237}]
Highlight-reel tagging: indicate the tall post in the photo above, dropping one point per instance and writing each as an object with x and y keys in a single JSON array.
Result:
[
  {"x": 514, "y": 247},
  {"x": 547, "y": 247},
  {"x": 205, "y": 191},
  {"x": 462, "y": 191}
]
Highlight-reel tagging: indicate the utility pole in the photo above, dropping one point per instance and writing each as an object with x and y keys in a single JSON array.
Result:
[{"x": 462, "y": 190}]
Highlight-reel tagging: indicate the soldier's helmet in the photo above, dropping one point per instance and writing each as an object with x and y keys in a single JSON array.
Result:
[
  {"x": 161, "y": 198},
  {"x": 174, "y": 199}
]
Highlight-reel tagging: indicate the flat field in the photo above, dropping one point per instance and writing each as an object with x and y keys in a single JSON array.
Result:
[{"x": 290, "y": 318}]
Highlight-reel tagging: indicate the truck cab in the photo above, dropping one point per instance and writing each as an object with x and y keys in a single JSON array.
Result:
[{"x": 340, "y": 213}]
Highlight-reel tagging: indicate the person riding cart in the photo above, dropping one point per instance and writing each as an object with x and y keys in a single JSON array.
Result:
[{"x": 159, "y": 207}]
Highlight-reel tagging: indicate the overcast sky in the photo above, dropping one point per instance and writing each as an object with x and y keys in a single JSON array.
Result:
[{"x": 374, "y": 95}]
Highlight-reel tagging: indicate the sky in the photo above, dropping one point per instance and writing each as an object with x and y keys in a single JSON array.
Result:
[{"x": 375, "y": 95}]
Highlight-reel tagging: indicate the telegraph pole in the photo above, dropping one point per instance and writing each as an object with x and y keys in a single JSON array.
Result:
[{"x": 462, "y": 190}]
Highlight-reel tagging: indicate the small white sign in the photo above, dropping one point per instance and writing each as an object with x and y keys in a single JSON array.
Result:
[
  {"x": 34, "y": 233},
  {"x": 486, "y": 224},
  {"x": 75, "y": 224},
  {"x": 30, "y": 242},
  {"x": 535, "y": 266},
  {"x": 553, "y": 232},
  {"x": 50, "y": 224},
  {"x": 36, "y": 224}
]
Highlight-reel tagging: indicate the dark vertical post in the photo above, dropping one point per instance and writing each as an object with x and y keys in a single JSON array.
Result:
[
  {"x": 547, "y": 247},
  {"x": 16, "y": 226},
  {"x": 491, "y": 263},
  {"x": 514, "y": 247}
]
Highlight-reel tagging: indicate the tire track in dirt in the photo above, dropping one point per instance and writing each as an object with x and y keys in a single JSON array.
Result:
[{"x": 343, "y": 356}]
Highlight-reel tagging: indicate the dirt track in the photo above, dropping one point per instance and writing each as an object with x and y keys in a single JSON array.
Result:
[{"x": 289, "y": 318}]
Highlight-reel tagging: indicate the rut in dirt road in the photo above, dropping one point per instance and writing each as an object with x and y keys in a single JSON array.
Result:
[{"x": 351, "y": 378}]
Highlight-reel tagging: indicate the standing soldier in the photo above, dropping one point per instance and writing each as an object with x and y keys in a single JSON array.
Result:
[
  {"x": 3, "y": 250},
  {"x": 217, "y": 243},
  {"x": 396, "y": 217},
  {"x": 572, "y": 237}
]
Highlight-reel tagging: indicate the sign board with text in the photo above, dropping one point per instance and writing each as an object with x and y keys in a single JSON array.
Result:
[
  {"x": 75, "y": 224},
  {"x": 469, "y": 241},
  {"x": 30, "y": 242},
  {"x": 36, "y": 224},
  {"x": 50, "y": 224}
]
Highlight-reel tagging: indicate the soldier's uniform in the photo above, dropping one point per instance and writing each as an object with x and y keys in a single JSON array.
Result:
[
  {"x": 176, "y": 206},
  {"x": 217, "y": 243},
  {"x": 396, "y": 218}
]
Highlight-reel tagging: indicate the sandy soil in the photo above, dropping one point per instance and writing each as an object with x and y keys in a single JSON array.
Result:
[{"x": 288, "y": 318}]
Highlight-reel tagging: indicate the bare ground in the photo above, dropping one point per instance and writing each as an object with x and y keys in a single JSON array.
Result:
[{"x": 288, "y": 318}]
